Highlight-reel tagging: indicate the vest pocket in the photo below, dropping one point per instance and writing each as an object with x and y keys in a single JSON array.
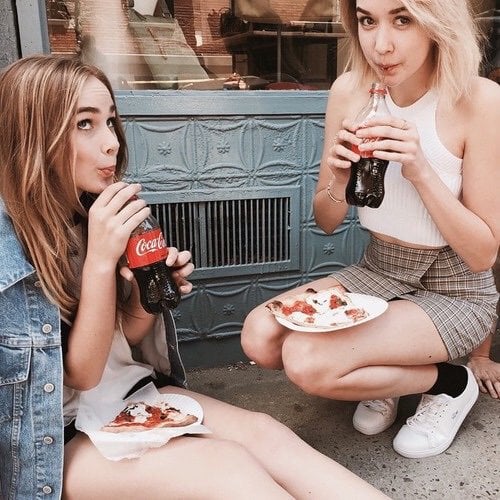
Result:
[
  {"x": 14, "y": 364},
  {"x": 14, "y": 368}
]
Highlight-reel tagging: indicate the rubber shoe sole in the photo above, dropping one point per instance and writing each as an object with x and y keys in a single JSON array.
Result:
[{"x": 373, "y": 430}]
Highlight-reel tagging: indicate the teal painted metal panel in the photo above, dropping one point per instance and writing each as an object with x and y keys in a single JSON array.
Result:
[
  {"x": 220, "y": 103},
  {"x": 213, "y": 146},
  {"x": 233, "y": 232}
]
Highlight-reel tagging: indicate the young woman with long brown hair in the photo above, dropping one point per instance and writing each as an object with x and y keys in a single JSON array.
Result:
[{"x": 66, "y": 300}]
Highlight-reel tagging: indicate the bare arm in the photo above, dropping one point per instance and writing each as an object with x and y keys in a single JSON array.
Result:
[
  {"x": 111, "y": 221},
  {"x": 335, "y": 160},
  {"x": 471, "y": 226},
  {"x": 476, "y": 237}
]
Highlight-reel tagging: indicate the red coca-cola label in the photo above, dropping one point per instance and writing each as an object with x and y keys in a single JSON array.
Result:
[{"x": 146, "y": 249}]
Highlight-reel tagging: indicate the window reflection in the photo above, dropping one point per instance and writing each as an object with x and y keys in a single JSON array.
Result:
[
  {"x": 488, "y": 16},
  {"x": 218, "y": 44},
  {"x": 202, "y": 44}
]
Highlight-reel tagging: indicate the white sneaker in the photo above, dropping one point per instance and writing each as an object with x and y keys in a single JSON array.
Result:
[
  {"x": 436, "y": 422},
  {"x": 374, "y": 416}
]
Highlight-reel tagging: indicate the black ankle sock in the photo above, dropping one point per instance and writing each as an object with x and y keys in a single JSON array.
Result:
[{"x": 451, "y": 380}]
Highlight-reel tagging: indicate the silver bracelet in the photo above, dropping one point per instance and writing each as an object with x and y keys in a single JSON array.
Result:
[{"x": 330, "y": 195}]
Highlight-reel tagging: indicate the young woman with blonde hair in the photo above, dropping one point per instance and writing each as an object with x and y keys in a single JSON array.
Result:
[
  {"x": 434, "y": 238},
  {"x": 67, "y": 302}
]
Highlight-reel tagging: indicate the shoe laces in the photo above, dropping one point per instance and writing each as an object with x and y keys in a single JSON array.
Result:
[
  {"x": 379, "y": 405},
  {"x": 429, "y": 413}
]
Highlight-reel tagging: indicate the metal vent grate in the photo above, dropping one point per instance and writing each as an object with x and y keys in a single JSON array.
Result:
[{"x": 243, "y": 232}]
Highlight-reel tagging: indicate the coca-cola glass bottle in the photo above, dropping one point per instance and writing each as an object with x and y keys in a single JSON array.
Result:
[
  {"x": 366, "y": 180},
  {"x": 146, "y": 253}
]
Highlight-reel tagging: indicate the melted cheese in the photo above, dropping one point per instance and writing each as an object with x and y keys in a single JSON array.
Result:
[{"x": 138, "y": 411}]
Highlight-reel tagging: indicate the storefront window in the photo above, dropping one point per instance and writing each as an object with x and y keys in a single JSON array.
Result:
[
  {"x": 203, "y": 44},
  {"x": 218, "y": 44},
  {"x": 488, "y": 17}
]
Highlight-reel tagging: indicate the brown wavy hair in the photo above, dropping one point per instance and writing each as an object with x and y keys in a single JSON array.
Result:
[{"x": 38, "y": 106}]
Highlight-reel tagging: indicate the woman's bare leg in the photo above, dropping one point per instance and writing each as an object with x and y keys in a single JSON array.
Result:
[
  {"x": 185, "y": 468},
  {"x": 391, "y": 355},
  {"x": 299, "y": 468},
  {"x": 249, "y": 455}
]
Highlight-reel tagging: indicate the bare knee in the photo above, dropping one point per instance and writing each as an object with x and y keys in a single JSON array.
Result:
[
  {"x": 266, "y": 429},
  {"x": 248, "y": 477},
  {"x": 304, "y": 365},
  {"x": 228, "y": 453},
  {"x": 260, "y": 339}
]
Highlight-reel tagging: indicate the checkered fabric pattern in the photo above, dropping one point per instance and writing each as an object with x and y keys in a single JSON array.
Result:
[{"x": 460, "y": 303}]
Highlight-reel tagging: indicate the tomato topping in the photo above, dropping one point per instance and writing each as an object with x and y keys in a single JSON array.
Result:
[
  {"x": 298, "y": 306},
  {"x": 123, "y": 417},
  {"x": 336, "y": 302}
]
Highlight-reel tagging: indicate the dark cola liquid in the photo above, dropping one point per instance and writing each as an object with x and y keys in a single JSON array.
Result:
[
  {"x": 157, "y": 287},
  {"x": 365, "y": 187}
]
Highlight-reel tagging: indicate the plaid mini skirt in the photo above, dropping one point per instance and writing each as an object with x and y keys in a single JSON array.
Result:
[{"x": 461, "y": 304}]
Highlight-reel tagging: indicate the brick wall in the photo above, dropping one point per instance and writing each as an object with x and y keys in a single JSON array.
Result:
[{"x": 202, "y": 17}]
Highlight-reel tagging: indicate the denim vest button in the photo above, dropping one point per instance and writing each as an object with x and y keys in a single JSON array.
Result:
[
  {"x": 48, "y": 440},
  {"x": 38, "y": 284},
  {"x": 48, "y": 387},
  {"x": 46, "y": 328},
  {"x": 47, "y": 490}
]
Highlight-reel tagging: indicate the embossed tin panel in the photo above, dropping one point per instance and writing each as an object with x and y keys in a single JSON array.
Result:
[{"x": 204, "y": 167}]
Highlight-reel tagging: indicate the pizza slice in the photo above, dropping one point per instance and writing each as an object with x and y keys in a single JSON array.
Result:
[
  {"x": 142, "y": 416},
  {"x": 321, "y": 309}
]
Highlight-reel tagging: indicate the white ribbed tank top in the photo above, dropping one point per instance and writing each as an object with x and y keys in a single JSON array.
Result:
[{"x": 402, "y": 214}]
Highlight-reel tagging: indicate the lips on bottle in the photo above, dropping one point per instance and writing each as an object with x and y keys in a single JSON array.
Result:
[{"x": 107, "y": 172}]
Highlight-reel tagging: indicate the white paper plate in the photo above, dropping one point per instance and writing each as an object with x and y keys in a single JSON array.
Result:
[
  {"x": 374, "y": 306},
  {"x": 126, "y": 445},
  {"x": 185, "y": 404}
]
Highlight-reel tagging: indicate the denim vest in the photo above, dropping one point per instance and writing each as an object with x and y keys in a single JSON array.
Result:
[{"x": 31, "y": 377}]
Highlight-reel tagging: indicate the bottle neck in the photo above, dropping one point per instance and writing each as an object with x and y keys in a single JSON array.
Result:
[
  {"x": 377, "y": 101},
  {"x": 378, "y": 88}
]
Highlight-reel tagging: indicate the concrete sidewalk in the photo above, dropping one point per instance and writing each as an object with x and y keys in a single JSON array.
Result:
[{"x": 469, "y": 469}]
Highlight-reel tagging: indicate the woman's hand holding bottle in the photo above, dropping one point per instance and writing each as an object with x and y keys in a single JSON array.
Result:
[{"x": 112, "y": 218}]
